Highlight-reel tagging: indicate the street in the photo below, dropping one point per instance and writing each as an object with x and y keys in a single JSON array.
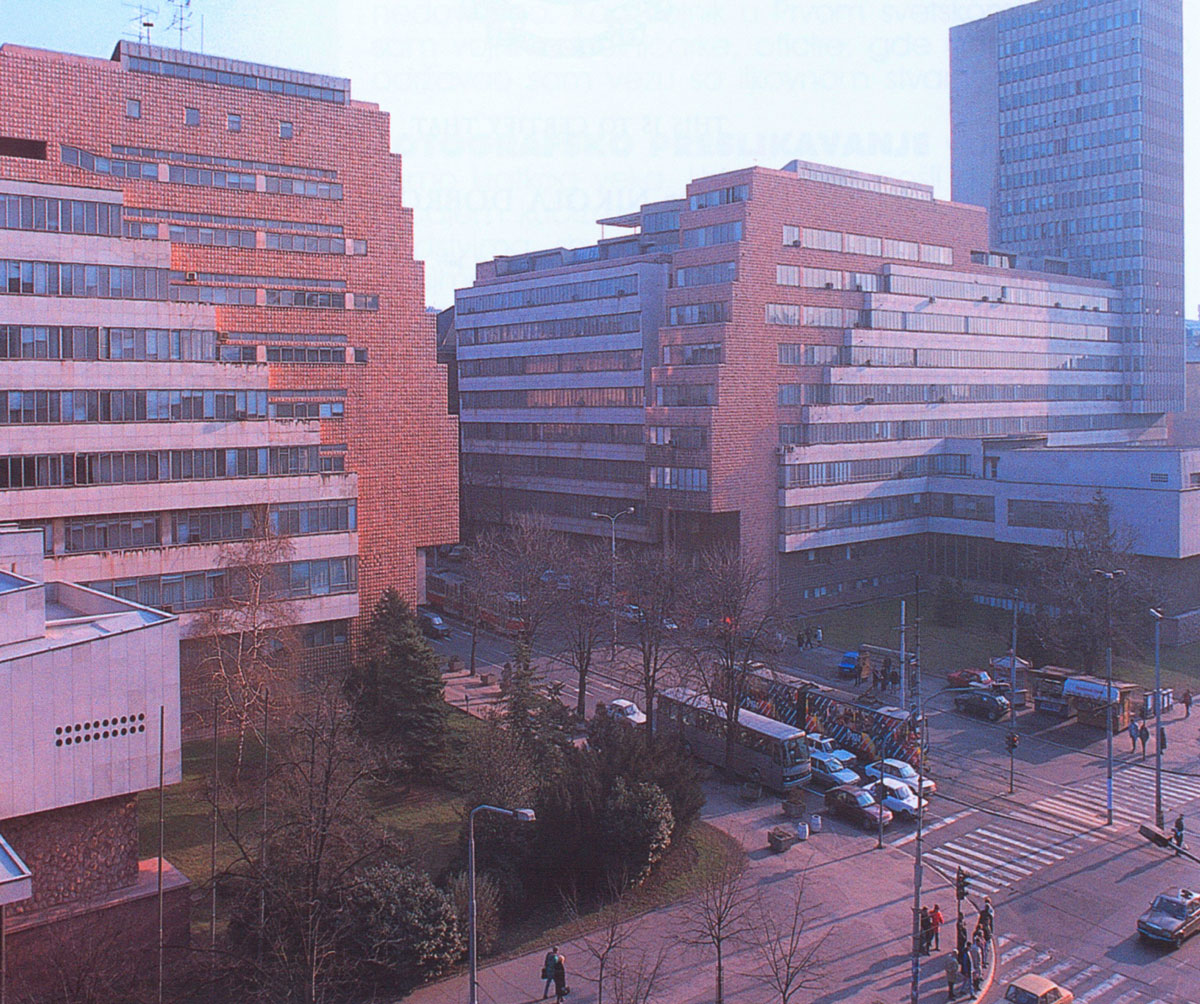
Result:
[{"x": 1067, "y": 889}]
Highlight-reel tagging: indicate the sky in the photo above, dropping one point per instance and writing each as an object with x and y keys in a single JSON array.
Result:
[{"x": 522, "y": 122}]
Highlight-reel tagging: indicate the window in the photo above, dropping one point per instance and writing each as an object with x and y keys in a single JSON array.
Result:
[
  {"x": 285, "y": 130},
  {"x": 861, "y": 244},
  {"x": 191, "y": 116},
  {"x": 822, "y": 240},
  {"x": 133, "y": 109},
  {"x": 233, "y": 122}
]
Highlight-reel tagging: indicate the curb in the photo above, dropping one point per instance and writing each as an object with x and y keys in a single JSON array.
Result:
[{"x": 990, "y": 976}]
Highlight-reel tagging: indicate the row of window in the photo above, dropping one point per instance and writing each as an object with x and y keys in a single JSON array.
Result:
[
  {"x": 308, "y": 409},
  {"x": 981, "y": 393},
  {"x": 701, "y": 313},
  {"x": 306, "y": 354},
  {"x": 1058, "y": 295},
  {"x": 847, "y": 472},
  {"x": 1075, "y": 199},
  {"x": 205, "y": 236},
  {"x": 197, "y": 590},
  {"x": 719, "y": 197},
  {"x": 244, "y": 279},
  {"x": 706, "y": 275},
  {"x": 718, "y": 233},
  {"x": 56, "y": 470},
  {"x": 537, "y": 296},
  {"x": 59, "y": 216},
  {"x": 558, "y": 327},
  {"x": 692, "y": 355},
  {"x": 863, "y": 244},
  {"x": 1071, "y": 116},
  {"x": 242, "y": 222},
  {"x": 111, "y": 533},
  {"x": 52, "y": 278},
  {"x": 487, "y": 499},
  {"x": 791, "y": 354},
  {"x": 1026, "y": 95},
  {"x": 887, "y": 509},
  {"x": 247, "y": 81},
  {"x": 553, "y": 432},
  {"x": 37, "y": 407},
  {"x": 554, "y": 397},
  {"x": 323, "y": 634},
  {"x": 795, "y": 314},
  {"x": 1073, "y": 169},
  {"x": 686, "y": 395},
  {"x": 1044, "y": 515},
  {"x": 659, "y": 222},
  {"x": 943, "y": 428},
  {"x": 191, "y": 117},
  {"x": 1076, "y": 56},
  {"x": 211, "y": 160},
  {"x": 567, "y": 362},
  {"x": 684, "y": 479},
  {"x": 493, "y": 468},
  {"x": 290, "y": 519},
  {"x": 312, "y": 244},
  {"x": 30, "y": 341},
  {"x": 1070, "y": 32},
  {"x": 683, "y": 437}
]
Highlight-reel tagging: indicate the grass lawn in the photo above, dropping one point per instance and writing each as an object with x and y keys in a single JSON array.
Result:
[{"x": 981, "y": 634}]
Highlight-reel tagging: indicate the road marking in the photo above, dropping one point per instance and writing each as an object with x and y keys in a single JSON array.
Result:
[
  {"x": 993, "y": 864},
  {"x": 1128, "y": 996},
  {"x": 1083, "y": 974},
  {"x": 1014, "y": 953},
  {"x": 949, "y": 864},
  {"x": 1099, "y": 988},
  {"x": 1042, "y": 855},
  {"x": 930, "y": 829}
]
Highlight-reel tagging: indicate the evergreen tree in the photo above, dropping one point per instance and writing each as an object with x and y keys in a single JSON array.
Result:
[{"x": 396, "y": 684}]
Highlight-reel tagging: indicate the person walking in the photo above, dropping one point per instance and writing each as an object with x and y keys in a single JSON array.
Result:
[
  {"x": 1178, "y": 834},
  {"x": 937, "y": 919},
  {"x": 926, "y": 930},
  {"x": 964, "y": 965},
  {"x": 548, "y": 970},
  {"x": 987, "y": 918},
  {"x": 961, "y": 939},
  {"x": 1144, "y": 736},
  {"x": 1133, "y": 736},
  {"x": 1186, "y": 700},
  {"x": 818, "y": 635},
  {"x": 1162, "y": 739},
  {"x": 894, "y": 679},
  {"x": 560, "y": 979},
  {"x": 951, "y": 967},
  {"x": 799, "y": 638},
  {"x": 976, "y": 956}
]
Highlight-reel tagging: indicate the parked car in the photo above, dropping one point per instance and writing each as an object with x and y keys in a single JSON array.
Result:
[
  {"x": 849, "y": 665},
  {"x": 983, "y": 703},
  {"x": 459, "y": 552},
  {"x": 901, "y": 771},
  {"x": 829, "y": 772},
  {"x": 703, "y": 624},
  {"x": 1173, "y": 916},
  {"x": 818, "y": 743},
  {"x": 669, "y": 624},
  {"x": 626, "y": 711},
  {"x": 968, "y": 678},
  {"x": 432, "y": 625},
  {"x": 1033, "y": 989},
  {"x": 856, "y": 805},
  {"x": 630, "y": 612},
  {"x": 900, "y": 800}
]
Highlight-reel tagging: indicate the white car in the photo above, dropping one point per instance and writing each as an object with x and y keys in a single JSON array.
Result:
[
  {"x": 823, "y": 744},
  {"x": 900, "y": 771},
  {"x": 901, "y": 800},
  {"x": 626, "y": 711}
]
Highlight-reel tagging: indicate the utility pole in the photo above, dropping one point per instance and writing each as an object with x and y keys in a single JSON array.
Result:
[
  {"x": 1158, "y": 813},
  {"x": 922, "y": 743},
  {"x": 1012, "y": 699},
  {"x": 612, "y": 520},
  {"x": 1110, "y": 578}
]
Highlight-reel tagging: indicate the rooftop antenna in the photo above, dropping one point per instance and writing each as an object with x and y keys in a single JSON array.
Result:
[
  {"x": 181, "y": 17},
  {"x": 141, "y": 21}
]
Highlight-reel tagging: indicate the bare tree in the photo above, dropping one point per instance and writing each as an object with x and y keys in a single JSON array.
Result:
[
  {"x": 637, "y": 974},
  {"x": 790, "y": 957},
  {"x": 731, "y": 591},
  {"x": 719, "y": 914},
  {"x": 656, "y": 581},
  {"x": 479, "y": 588},
  {"x": 249, "y": 631},
  {"x": 606, "y": 943},
  {"x": 579, "y": 615}
]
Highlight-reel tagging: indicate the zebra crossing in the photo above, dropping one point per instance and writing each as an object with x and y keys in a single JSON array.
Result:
[
  {"x": 1090, "y": 983},
  {"x": 1005, "y": 850}
]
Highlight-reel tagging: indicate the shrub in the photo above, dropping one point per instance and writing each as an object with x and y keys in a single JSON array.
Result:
[{"x": 636, "y": 827}]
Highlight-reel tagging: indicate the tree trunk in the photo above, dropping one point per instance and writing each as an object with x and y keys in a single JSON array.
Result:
[
  {"x": 720, "y": 972},
  {"x": 581, "y": 704},
  {"x": 474, "y": 642}
]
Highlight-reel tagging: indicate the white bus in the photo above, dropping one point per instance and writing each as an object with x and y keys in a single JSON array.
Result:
[{"x": 772, "y": 753}]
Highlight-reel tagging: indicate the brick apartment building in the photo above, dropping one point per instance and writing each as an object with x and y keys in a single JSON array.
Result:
[
  {"x": 211, "y": 320},
  {"x": 844, "y": 379}
]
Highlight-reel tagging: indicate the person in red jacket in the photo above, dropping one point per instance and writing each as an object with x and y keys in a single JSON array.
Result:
[{"x": 937, "y": 920}]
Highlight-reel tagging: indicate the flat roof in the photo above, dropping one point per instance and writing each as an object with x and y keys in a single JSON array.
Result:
[{"x": 10, "y": 583}]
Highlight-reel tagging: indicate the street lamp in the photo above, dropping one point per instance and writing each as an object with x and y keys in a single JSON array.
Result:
[
  {"x": 1158, "y": 813},
  {"x": 612, "y": 520},
  {"x": 1109, "y": 578},
  {"x": 522, "y": 816}
]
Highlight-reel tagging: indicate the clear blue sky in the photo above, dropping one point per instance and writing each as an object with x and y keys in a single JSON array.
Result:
[{"x": 522, "y": 122}]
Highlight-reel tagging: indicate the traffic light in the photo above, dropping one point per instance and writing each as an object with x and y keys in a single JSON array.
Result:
[
  {"x": 1010, "y": 741},
  {"x": 961, "y": 883}
]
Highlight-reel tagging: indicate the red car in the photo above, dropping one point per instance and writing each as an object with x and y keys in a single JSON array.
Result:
[{"x": 968, "y": 678}]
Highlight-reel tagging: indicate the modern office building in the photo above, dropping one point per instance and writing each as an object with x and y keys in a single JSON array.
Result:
[
  {"x": 85, "y": 679},
  {"x": 1067, "y": 124},
  {"x": 837, "y": 379},
  {"x": 211, "y": 322}
]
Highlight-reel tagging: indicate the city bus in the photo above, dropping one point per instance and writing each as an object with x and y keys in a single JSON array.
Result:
[{"x": 766, "y": 751}]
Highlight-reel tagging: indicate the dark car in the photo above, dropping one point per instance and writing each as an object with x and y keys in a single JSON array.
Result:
[
  {"x": 968, "y": 678},
  {"x": 855, "y": 805},
  {"x": 432, "y": 625},
  {"x": 829, "y": 772},
  {"x": 1171, "y": 917},
  {"x": 983, "y": 703}
]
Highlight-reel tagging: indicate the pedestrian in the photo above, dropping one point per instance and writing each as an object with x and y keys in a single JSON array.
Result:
[
  {"x": 987, "y": 918},
  {"x": 894, "y": 679},
  {"x": 1186, "y": 698},
  {"x": 1178, "y": 834},
  {"x": 937, "y": 920},
  {"x": 548, "y": 970},
  {"x": 926, "y": 930},
  {"x": 799, "y": 638},
  {"x": 968, "y": 978},
  {"x": 819, "y": 636},
  {"x": 961, "y": 932},
  {"x": 1144, "y": 736},
  {"x": 985, "y": 948},
  {"x": 560, "y": 979},
  {"x": 1133, "y": 736},
  {"x": 860, "y": 669},
  {"x": 976, "y": 956},
  {"x": 951, "y": 967},
  {"x": 1162, "y": 740}
]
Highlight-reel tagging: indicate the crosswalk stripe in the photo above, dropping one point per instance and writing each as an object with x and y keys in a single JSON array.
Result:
[
  {"x": 1014, "y": 953},
  {"x": 1128, "y": 996},
  {"x": 1083, "y": 974},
  {"x": 1115, "y": 980},
  {"x": 949, "y": 864},
  {"x": 991, "y": 864},
  {"x": 1053, "y": 971},
  {"x": 1044, "y": 855},
  {"x": 1075, "y": 814}
]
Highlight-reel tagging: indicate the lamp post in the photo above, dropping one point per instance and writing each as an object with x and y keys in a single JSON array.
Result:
[
  {"x": 521, "y": 815},
  {"x": 1158, "y": 813},
  {"x": 612, "y": 599},
  {"x": 1109, "y": 578}
]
